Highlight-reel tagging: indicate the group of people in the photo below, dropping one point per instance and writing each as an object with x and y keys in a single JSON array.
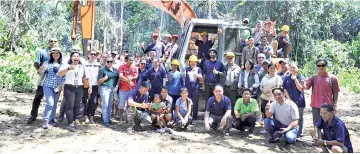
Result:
[{"x": 154, "y": 90}]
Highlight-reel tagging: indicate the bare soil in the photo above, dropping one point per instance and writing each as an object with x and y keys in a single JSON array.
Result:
[{"x": 16, "y": 136}]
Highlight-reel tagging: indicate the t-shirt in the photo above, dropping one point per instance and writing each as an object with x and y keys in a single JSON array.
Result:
[
  {"x": 137, "y": 97},
  {"x": 285, "y": 113},
  {"x": 74, "y": 77},
  {"x": 243, "y": 108},
  {"x": 175, "y": 83},
  {"x": 183, "y": 105},
  {"x": 204, "y": 48},
  {"x": 268, "y": 82},
  {"x": 218, "y": 108},
  {"x": 131, "y": 71},
  {"x": 93, "y": 69},
  {"x": 156, "y": 106}
]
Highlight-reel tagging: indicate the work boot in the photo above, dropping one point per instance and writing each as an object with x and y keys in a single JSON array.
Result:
[{"x": 31, "y": 120}]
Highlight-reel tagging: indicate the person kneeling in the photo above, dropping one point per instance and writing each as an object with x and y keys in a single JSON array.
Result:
[
  {"x": 286, "y": 118},
  {"x": 245, "y": 112},
  {"x": 183, "y": 109},
  {"x": 157, "y": 111}
]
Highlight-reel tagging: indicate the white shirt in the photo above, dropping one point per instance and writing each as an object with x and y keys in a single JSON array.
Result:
[
  {"x": 93, "y": 69},
  {"x": 74, "y": 77}
]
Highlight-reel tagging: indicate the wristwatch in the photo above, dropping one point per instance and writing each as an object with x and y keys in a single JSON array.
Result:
[{"x": 325, "y": 143}]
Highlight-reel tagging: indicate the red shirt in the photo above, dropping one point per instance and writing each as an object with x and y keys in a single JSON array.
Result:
[
  {"x": 322, "y": 93},
  {"x": 131, "y": 71}
]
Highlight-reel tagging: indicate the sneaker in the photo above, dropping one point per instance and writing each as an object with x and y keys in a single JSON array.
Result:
[
  {"x": 160, "y": 130},
  {"x": 226, "y": 133},
  {"x": 46, "y": 125},
  {"x": 53, "y": 122},
  {"x": 263, "y": 132},
  {"x": 31, "y": 120},
  {"x": 251, "y": 135},
  {"x": 107, "y": 125},
  {"x": 71, "y": 127},
  {"x": 87, "y": 121},
  {"x": 274, "y": 140},
  {"x": 166, "y": 129}
]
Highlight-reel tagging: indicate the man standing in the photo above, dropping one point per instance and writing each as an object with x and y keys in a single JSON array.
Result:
[
  {"x": 156, "y": 46},
  {"x": 325, "y": 88},
  {"x": 128, "y": 75},
  {"x": 218, "y": 111},
  {"x": 284, "y": 45},
  {"x": 230, "y": 80},
  {"x": 142, "y": 73},
  {"x": 41, "y": 57},
  {"x": 335, "y": 136},
  {"x": 282, "y": 118},
  {"x": 205, "y": 45},
  {"x": 249, "y": 52},
  {"x": 157, "y": 77},
  {"x": 212, "y": 71}
]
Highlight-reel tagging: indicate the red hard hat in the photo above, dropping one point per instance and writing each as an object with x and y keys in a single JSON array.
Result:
[{"x": 176, "y": 36}]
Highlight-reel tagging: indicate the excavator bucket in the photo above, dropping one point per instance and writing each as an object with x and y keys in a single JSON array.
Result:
[{"x": 177, "y": 9}]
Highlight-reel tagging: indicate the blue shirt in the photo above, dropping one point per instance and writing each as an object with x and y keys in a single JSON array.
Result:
[
  {"x": 192, "y": 83},
  {"x": 209, "y": 66},
  {"x": 218, "y": 108},
  {"x": 295, "y": 95},
  {"x": 42, "y": 56},
  {"x": 156, "y": 78},
  {"x": 148, "y": 64},
  {"x": 257, "y": 67},
  {"x": 267, "y": 55},
  {"x": 183, "y": 106},
  {"x": 174, "y": 85},
  {"x": 136, "y": 96},
  {"x": 336, "y": 130},
  {"x": 204, "y": 48},
  {"x": 141, "y": 78},
  {"x": 51, "y": 79}
]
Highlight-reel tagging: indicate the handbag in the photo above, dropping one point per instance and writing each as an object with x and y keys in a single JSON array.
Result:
[{"x": 85, "y": 80}]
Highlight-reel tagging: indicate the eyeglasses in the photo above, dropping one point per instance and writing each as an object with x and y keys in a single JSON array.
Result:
[
  {"x": 52, "y": 41},
  {"x": 324, "y": 65},
  {"x": 93, "y": 54},
  {"x": 261, "y": 57},
  {"x": 109, "y": 62}
]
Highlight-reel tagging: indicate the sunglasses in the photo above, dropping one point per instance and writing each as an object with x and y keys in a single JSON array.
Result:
[
  {"x": 142, "y": 63},
  {"x": 321, "y": 65},
  {"x": 93, "y": 54},
  {"x": 109, "y": 62},
  {"x": 52, "y": 41},
  {"x": 261, "y": 57}
]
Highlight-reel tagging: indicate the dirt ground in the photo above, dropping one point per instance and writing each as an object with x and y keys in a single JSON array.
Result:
[{"x": 16, "y": 136}]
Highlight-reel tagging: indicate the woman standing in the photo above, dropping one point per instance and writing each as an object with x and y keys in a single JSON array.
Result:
[
  {"x": 249, "y": 79},
  {"x": 51, "y": 85},
  {"x": 108, "y": 79},
  {"x": 74, "y": 72},
  {"x": 175, "y": 81}
]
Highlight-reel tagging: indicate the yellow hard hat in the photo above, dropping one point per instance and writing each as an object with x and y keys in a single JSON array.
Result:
[
  {"x": 230, "y": 54},
  {"x": 175, "y": 62},
  {"x": 193, "y": 58},
  {"x": 204, "y": 34},
  {"x": 285, "y": 28}
]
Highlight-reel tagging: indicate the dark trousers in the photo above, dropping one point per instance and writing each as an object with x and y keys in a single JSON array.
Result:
[
  {"x": 263, "y": 105},
  {"x": 154, "y": 90},
  {"x": 194, "y": 96},
  {"x": 91, "y": 105},
  {"x": 85, "y": 100},
  {"x": 209, "y": 88},
  {"x": 174, "y": 97},
  {"x": 73, "y": 97},
  {"x": 37, "y": 100},
  {"x": 249, "y": 121},
  {"x": 232, "y": 96}
]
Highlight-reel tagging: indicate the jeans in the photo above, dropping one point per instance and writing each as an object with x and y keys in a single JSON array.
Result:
[
  {"x": 215, "y": 120},
  {"x": 51, "y": 103},
  {"x": 301, "y": 121},
  {"x": 273, "y": 126},
  {"x": 122, "y": 98},
  {"x": 194, "y": 96},
  {"x": 91, "y": 105},
  {"x": 106, "y": 94},
  {"x": 37, "y": 100},
  {"x": 73, "y": 96}
]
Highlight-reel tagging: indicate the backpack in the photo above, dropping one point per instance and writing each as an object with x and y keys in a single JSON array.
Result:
[{"x": 331, "y": 82}]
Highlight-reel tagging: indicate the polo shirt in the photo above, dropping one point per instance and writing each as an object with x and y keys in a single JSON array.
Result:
[
  {"x": 322, "y": 92},
  {"x": 141, "y": 78},
  {"x": 113, "y": 77},
  {"x": 218, "y": 108},
  {"x": 243, "y": 108},
  {"x": 42, "y": 56},
  {"x": 285, "y": 113},
  {"x": 336, "y": 130},
  {"x": 192, "y": 82},
  {"x": 127, "y": 71},
  {"x": 204, "y": 48},
  {"x": 209, "y": 66},
  {"x": 295, "y": 95},
  {"x": 137, "y": 97},
  {"x": 148, "y": 64},
  {"x": 175, "y": 83},
  {"x": 156, "y": 77}
]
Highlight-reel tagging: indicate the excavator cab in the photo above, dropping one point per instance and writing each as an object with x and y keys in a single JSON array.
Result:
[{"x": 228, "y": 40}]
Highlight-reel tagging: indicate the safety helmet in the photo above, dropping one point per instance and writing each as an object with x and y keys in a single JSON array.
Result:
[
  {"x": 175, "y": 62},
  {"x": 193, "y": 58},
  {"x": 285, "y": 28}
]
